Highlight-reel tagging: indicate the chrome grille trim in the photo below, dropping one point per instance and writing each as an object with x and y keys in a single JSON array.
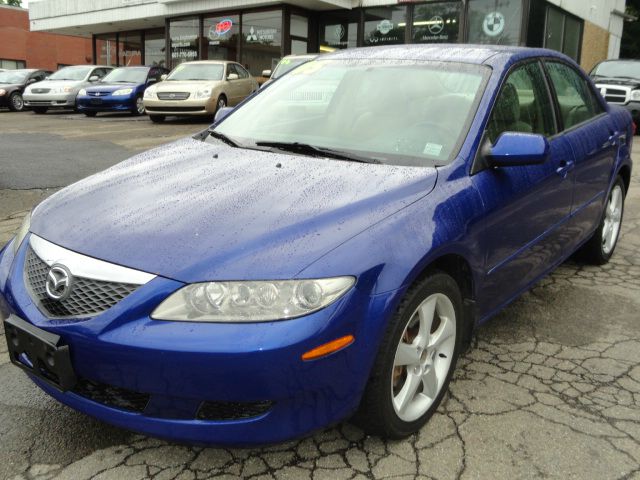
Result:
[
  {"x": 90, "y": 296},
  {"x": 173, "y": 95},
  {"x": 618, "y": 94}
]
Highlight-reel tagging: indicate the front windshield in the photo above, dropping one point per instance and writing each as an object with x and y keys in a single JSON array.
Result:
[
  {"x": 71, "y": 73},
  {"x": 287, "y": 64},
  {"x": 390, "y": 111},
  {"x": 13, "y": 76},
  {"x": 618, "y": 69},
  {"x": 197, "y": 71},
  {"x": 127, "y": 75}
]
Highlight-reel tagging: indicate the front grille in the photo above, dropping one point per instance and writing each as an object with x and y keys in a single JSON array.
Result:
[
  {"x": 232, "y": 410},
  {"x": 88, "y": 297},
  {"x": 40, "y": 90},
  {"x": 615, "y": 95},
  {"x": 98, "y": 94},
  {"x": 42, "y": 103},
  {"x": 173, "y": 95},
  {"x": 175, "y": 109},
  {"x": 112, "y": 396}
]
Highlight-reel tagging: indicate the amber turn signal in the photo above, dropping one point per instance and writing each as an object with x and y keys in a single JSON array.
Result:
[{"x": 329, "y": 348}]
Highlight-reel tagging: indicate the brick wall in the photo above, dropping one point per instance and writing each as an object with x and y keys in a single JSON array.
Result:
[{"x": 38, "y": 50}]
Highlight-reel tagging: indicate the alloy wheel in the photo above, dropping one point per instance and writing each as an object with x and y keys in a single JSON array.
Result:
[
  {"x": 139, "y": 106},
  {"x": 423, "y": 357},
  {"x": 221, "y": 104},
  {"x": 612, "y": 220},
  {"x": 17, "y": 102}
]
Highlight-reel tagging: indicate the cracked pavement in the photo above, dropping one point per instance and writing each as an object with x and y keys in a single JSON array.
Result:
[{"x": 550, "y": 389}]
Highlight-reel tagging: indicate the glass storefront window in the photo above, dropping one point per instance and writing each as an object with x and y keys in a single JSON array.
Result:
[
  {"x": 298, "y": 47},
  {"x": 222, "y": 36},
  {"x": 107, "y": 50},
  {"x": 261, "y": 40},
  {"x": 184, "y": 36},
  {"x": 384, "y": 25},
  {"x": 563, "y": 33},
  {"x": 299, "y": 26},
  {"x": 339, "y": 30},
  {"x": 155, "y": 48},
  {"x": 496, "y": 22},
  {"x": 130, "y": 53},
  {"x": 436, "y": 23}
]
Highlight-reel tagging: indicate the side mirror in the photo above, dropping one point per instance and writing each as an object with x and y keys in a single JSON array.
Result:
[
  {"x": 233, "y": 76},
  {"x": 163, "y": 77},
  {"x": 223, "y": 112},
  {"x": 266, "y": 73},
  {"x": 31, "y": 80},
  {"x": 514, "y": 149},
  {"x": 94, "y": 78}
]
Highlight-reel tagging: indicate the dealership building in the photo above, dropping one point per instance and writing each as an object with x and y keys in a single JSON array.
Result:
[{"x": 257, "y": 33}]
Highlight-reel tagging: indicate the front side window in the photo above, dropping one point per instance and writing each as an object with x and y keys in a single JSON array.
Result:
[
  {"x": 523, "y": 104},
  {"x": 71, "y": 73},
  {"x": 197, "y": 71},
  {"x": 355, "y": 106},
  {"x": 576, "y": 100},
  {"x": 495, "y": 22}
]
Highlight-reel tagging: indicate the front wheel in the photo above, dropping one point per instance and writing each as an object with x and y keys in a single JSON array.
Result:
[
  {"x": 221, "y": 103},
  {"x": 157, "y": 118},
  {"x": 138, "y": 108},
  {"x": 40, "y": 110},
  {"x": 600, "y": 247},
  {"x": 90, "y": 114},
  {"x": 416, "y": 359},
  {"x": 16, "y": 103}
]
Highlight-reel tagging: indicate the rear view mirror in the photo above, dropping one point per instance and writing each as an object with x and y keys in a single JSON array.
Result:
[
  {"x": 232, "y": 76},
  {"x": 223, "y": 112},
  {"x": 266, "y": 73},
  {"x": 514, "y": 149}
]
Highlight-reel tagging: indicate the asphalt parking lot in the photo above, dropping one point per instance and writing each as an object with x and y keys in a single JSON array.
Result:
[{"x": 551, "y": 389}]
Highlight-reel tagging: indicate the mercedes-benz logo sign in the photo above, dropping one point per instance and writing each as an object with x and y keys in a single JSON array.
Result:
[{"x": 59, "y": 283}]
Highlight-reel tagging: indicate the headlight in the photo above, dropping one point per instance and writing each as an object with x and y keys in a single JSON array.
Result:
[
  {"x": 22, "y": 232},
  {"x": 206, "y": 93},
  {"x": 122, "y": 92},
  {"x": 2, "y": 92},
  {"x": 635, "y": 95},
  {"x": 148, "y": 93},
  {"x": 261, "y": 301},
  {"x": 82, "y": 93}
]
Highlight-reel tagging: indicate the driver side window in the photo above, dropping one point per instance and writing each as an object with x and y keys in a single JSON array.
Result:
[{"x": 523, "y": 104}]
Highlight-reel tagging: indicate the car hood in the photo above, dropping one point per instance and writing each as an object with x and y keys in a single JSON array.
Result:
[
  {"x": 193, "y": 211},
  {"x": 57, "y": 83},
  {"x": 8, "y": 86},
  {"x": 627, "y": 82},
  {"x": 186, "y": 86},
  {"x": 111, "y": 87}
]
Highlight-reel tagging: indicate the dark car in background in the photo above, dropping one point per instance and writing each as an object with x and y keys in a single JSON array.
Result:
[
  {"x": 121, "y": 90},
  {"x": 619, "y": 84},
  {"x": 13, "y": 83}
]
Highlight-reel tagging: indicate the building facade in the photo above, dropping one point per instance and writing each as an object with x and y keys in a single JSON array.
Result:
[
  {"x": 21, "y": 48},
  {"x": 257, "y": 33}
]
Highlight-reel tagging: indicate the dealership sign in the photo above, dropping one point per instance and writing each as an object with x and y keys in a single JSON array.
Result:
[{"x": 220, "y": 29}]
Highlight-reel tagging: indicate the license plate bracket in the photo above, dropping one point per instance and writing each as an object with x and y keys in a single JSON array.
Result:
[{"x": 40, "y": 353}]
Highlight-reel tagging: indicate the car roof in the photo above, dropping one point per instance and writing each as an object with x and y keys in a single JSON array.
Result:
[
  {"x": 212, "y": 62},
  {"x": 461, "y": 53}
]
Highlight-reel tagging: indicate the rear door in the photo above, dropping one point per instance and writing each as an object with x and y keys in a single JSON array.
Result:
[
  {"x": 593, "y": 138},
  {"x": 527, "y": 206}
]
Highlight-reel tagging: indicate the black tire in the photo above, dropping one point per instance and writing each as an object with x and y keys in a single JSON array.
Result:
[
  {"x": 134, "y": 110},
  {"x": 90, "y": 114},
  {"x": 376, "y": 414},
  {"x": 40, "y": 110},
  {"x": 594, "y": 251},
  {"x": 220, "y": 103},
  {"x": 16, "y": 104},
  {"x": 157, "y": 118}
]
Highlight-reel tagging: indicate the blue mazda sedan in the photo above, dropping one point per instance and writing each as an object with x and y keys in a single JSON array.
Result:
[
  {"x": 324, "y": 250},
  {"x": 121, "y": 90}
]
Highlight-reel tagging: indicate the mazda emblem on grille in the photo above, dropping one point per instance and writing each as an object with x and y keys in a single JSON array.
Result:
[{"x": 59, "y": 283}]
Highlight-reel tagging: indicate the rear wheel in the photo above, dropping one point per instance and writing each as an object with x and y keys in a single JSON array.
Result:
[
  {"x": 16, "y": 103},
  {"x": 138, "y": 108},
  {"x": 416, "y": 359},
  {"x": 599, "y": 249},
  {"x": 90, "y": 114},
  {"x": 157, "y": 118},
  {"x": 40, "y": 110}
]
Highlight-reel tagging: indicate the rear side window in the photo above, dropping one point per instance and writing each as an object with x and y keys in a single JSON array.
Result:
[
  {"x": 242, "y": 72},
  {"x": 576, "y": 100},
  {"x": 523, "y": 104}
]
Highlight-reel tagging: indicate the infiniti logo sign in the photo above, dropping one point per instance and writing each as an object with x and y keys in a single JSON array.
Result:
[{"x": 59, "y": 283}]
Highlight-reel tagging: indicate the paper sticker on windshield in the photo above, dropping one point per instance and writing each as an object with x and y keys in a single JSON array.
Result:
[{"x": 432, "y": 149}]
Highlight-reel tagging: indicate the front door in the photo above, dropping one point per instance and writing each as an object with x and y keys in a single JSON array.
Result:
[{"x": 526, "y": 205}]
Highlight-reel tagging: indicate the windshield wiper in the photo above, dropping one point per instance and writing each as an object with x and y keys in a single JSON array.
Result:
[
  {"x": 311, "y": 150},
  {"x": 223, "y": 138}
]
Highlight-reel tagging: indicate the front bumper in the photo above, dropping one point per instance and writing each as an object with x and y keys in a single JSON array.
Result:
[
  {"x": 105, "y": 104},
  {"x": 180, "y": 107},
  {"x": 66, "y": 100},
  {"x": 182, "y": 368},
  {"x": 4, "y": 101}
]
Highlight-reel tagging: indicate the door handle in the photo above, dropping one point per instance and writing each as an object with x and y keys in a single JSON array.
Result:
[
  {"x": 565, "y": 166},
  {"x": 613, "y": 140}
]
